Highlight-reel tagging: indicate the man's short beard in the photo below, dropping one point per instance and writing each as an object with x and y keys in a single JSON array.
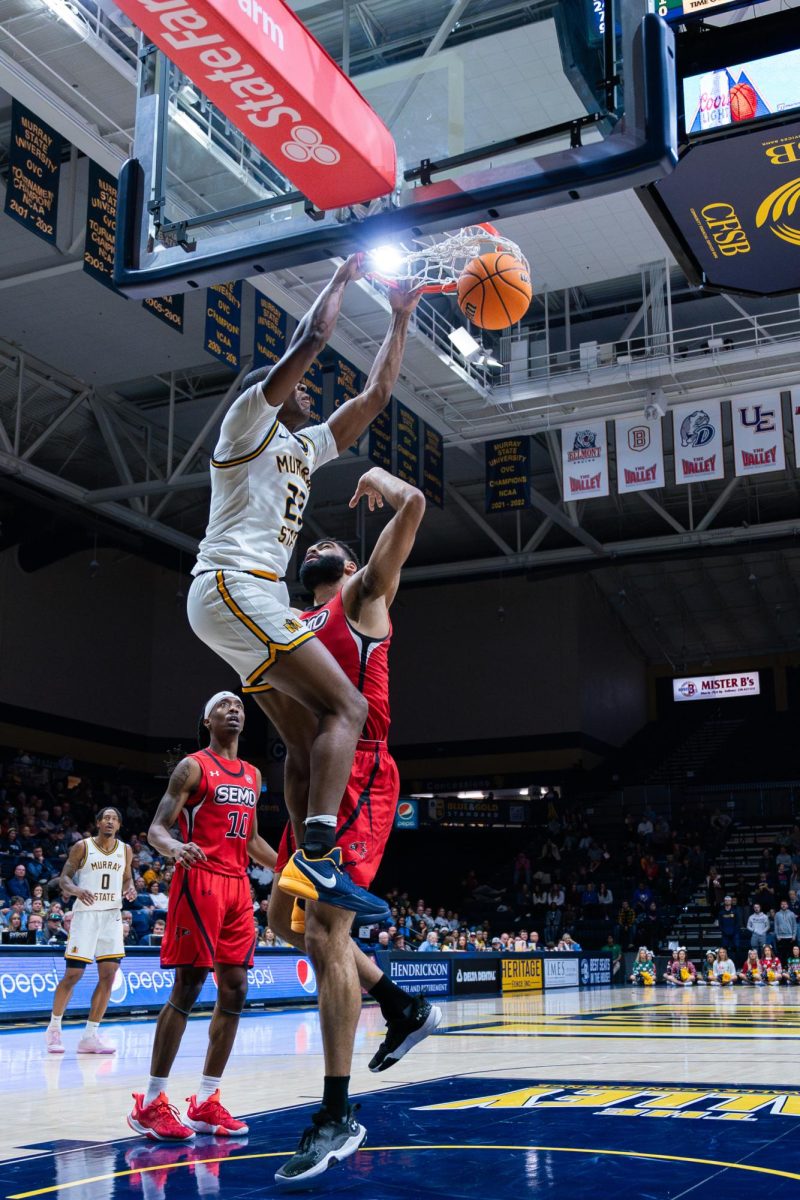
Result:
[{"x": 327, "y": 568}]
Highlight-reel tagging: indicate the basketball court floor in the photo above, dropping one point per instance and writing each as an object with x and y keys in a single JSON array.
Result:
[{"x": 611, "y": 1092}]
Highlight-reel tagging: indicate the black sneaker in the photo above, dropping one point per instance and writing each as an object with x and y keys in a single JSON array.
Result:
[
  {"x": 324, "y": 1144},
  {"x": 403, "y": 1033}
]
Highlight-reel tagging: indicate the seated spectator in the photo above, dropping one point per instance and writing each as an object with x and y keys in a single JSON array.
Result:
[
  {"x": 440, "y": 921},
  {"x": 680, "y": 972},
  {"x": 262, "y": 914},
  {"x": 36, "y": 926},
  {"x": 706, "y": 974},
  {"x": 791, "y": 972},
  {"x": 615, "y": 950},
  {"x": 15, "y": 924},
  {"x": 605, "y": 898},
  {"x": 783, "y": 857},
  {"x": 54, "y": 931},
  {"x": 751, "y": 970},
  {"x": 267, "y": 938},
  {"x": 724, "y": 970},
  {"x": 17, "y": 906},
  {"x": 644, "y": 830},
  {"x": 159, "y": 899},
  {"x": 430, "y": 944},
  {"x": 159, "y": 929},
  {"x": 771, "y": 969},
  {"x": 18, "y": 884},
  {"x": 556, "y": 895},
  {"x": 643, "y": 896},
  {"x": 644, "y": 969},
  {"x": 37, "y": 894},
  {"x": 129, "y": 935},
  {"x": 568, "y": 943},
  {"x": 539, "y": 898},
  {"x": 589, "y": 900},
  {"x": 400, "y": 943}
]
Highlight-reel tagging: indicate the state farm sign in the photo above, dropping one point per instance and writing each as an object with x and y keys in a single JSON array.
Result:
[{"x": 716, "y": 687}]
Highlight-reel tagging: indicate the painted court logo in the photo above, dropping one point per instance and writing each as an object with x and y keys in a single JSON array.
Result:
[{"x": 305, "y": 976}]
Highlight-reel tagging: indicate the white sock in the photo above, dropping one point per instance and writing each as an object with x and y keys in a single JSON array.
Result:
[
  {"x": 321, "y": 820},
  {"x": 91, "y": 1028},
  {"x": 208, "y": 1085},
  {"x": 156, "y": 1084},
  {"x": 55, "y": 1022}
]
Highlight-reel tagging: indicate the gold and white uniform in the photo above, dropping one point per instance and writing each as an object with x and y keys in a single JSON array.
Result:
[
  {"x": 96, "y": 930},
  {"x": 261, "y": 473}
]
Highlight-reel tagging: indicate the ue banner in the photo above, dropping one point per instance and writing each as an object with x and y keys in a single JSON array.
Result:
[
  {"x": 584, "y": 460},
  {"x": 408, "y": 424},
  {"x": 379, "y": 444},
  {"x": 348, "y": 382},
  {"x": 508, "y": 474},
  {"x": 223, "y": 337},
  {"x": 34, "y": 166},
  {"x": 270, "y": 332},
  {"x": 101, "y": 224},
  {"x": 432, "y": 466},
  {"x": 758, "y": 434},
  {"x": 168, "y": 309},
  {"x": 697, "y": 436},
  {"x": 640, "y": 454},
  {"x": 313, "y": 381}
]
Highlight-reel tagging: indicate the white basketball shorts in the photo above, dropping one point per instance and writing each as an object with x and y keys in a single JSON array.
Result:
[{"x": 95, "y": 935}]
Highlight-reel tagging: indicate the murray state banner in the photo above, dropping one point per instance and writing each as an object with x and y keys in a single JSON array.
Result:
[
  {"x": 34, "y": 165},
  {"x": 584, "y": 459},
  {"x": 640, "y": 454},
  {"x": 758, "y": 434},
  {"x": 697, "y": 434}
]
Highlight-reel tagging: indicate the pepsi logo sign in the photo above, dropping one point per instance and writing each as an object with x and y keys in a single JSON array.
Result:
[
  {"x": 405, "y": 810},
  {"x": 305, "y": 976}
]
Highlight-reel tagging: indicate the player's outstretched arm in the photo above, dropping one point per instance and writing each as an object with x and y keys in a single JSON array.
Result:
[
  {"x": 182, "y": 782},
  {"x": 351, "y": 420},
  {"x": 381, "y": 576},
  {"x": 71, "y": 867},
  {"x": 311, "y": 335},
  {"x": 259, "y": 850}
]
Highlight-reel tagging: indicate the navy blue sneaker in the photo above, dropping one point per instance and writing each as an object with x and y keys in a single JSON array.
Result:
[
  {"x": 324, "y": 879},
  {"x": 324, "y": 1144}
]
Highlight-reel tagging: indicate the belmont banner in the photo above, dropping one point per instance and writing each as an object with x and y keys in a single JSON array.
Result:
[
  {"x": 758, "y": 434},
  {"x": 34, "y": 166},
  {"x": 697, "y": 435},
  {"x": 223, "y": 333},
  {"x": 408, "y": 456},
  {"x": 584, "y": 460},
  {"x": 508, "y": 474},
  {"x": 640, "y": 454},
  {"x": 432, "y": 466},
  {"x": 270, "y": 332},
  {"x": 101, "y": 224},
  {"x": 379, "y": 444}
]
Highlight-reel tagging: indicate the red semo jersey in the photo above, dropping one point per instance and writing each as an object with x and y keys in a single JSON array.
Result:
[
  {"x": 364, "y": 660},
  {"x": 218, "y": 816}
]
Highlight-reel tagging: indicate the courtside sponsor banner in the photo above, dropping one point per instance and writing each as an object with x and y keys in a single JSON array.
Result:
[
  {"x": 584, "y": 460},
  {"x": 522, "y": 973},
  {"x": 415, "y": 972},
  {"x": 595, "y": 970},
  {"x": 28, "y": 980},
  {"x": 407, "y": 815},
  {"x": 561, "y": 972},
  {"x": 640, "y": 454},
  {"x": 260, "y": 66},
  {"x": 758, "y": 434},
  {"x": 716, "y": 687},
  {"x": 474, "y": 975},
  {"x": 697, "y": 433}
]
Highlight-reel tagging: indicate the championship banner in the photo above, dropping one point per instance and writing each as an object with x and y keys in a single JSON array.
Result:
[
  {"x": 223, "y": 336},
  {"x": 101, "y": 224},
  {"x": 34, "y": 166},
  {"x": 270, "y": 332},
  {"x": 432, "y": 466},
  {"x": 697, "y": 436},
  {"x": 168, "y": 309},
  {"x": 584, "y": 460},
  {"x": 313, "y": 381},
  {"x": 758, "y": 434},
  {"x": 640, "y": 454},
  {"x": 379, "y": 444},
  {"x": 508, "y": 474},
  {"x": 408, "y": 424},
  {"x": 348, "y": 382}
]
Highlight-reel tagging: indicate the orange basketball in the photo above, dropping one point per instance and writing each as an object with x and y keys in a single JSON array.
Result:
[
  {"x": 495, "y": 290},
  {"x": 744, "y": 102}
]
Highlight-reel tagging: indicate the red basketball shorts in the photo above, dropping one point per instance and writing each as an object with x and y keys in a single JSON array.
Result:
[
  {"x": 366, "y": 814},
  {"x": 209, "y": 920}
]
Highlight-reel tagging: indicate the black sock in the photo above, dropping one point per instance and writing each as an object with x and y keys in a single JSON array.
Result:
[
  {"x": 319, "y": 838},
  {"x": 393, "y": 1000},
  {"x": 335, "y": 1100}
]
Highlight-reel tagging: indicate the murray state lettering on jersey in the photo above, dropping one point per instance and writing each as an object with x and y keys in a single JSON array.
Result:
[
  {"x": 364, "y": 660},
  {"x": 260, "y": 478},
  {"x": 218, "y": 816},
  {"x": 101, "y": 873}
]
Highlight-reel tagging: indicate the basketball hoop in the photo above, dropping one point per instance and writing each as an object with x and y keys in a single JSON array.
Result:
[{"x": 437, "y": 266}]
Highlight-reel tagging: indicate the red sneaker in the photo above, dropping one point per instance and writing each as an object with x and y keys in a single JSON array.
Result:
[
  {"x": 158, "y": 1120},
  {"x": 210, "y": 1116}
]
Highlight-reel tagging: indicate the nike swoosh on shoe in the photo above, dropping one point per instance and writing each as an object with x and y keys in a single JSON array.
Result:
[{"x": 328, "y": 881}]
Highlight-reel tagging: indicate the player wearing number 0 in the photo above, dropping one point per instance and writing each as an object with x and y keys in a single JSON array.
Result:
[
  {"x": 97, "y": 873},
  {"x": 238, "y": 604},
  {"x": 212, "y": 797},
  {"x": 350, "y": 616}
]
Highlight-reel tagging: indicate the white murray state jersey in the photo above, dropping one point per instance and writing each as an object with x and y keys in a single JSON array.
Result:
[
  {"x": 101, "y": 874},
  {"x": 260, "y": 479}
]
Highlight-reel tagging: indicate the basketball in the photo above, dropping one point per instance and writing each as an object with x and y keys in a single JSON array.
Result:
[
  {"x": 744, "y": 102},
  {"x": 494, "y": 290}
]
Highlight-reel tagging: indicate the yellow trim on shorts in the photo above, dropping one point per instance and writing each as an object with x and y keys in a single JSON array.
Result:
[
  {"x": 259, "y": 687},
  {"x": 275, "y": 650},
  {"x": 265, "y": 575},
  {"x": 103, "y": 957},
  {"x": 237, "y": 612},
  {"x": 78, "y": 958},
  {"x": 246, "y": 458}
]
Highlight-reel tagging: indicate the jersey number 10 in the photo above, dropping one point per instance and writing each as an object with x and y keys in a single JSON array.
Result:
[{"x": 238, "y": 823}]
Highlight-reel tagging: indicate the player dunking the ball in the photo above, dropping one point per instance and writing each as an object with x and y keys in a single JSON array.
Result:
[
  {"x": 212, "y": 797},
  {"x": 350, "y": 616},
  {"x": 238, "y": 604},
  {"x": 98, "y": 874}
]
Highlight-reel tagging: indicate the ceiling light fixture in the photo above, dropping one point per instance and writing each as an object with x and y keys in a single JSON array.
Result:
[{"x": 464, "y": 342}]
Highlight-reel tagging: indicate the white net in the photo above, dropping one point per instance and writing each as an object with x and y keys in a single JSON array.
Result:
[{"x": 437, "y": 266}]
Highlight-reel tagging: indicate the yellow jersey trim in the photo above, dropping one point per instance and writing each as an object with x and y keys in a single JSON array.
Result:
[{"x": 222, "y": 464}]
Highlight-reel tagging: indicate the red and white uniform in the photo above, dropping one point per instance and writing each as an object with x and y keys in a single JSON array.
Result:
[
  {"x": 210, "y": 913},
  {"x": 366, "y": 814}
]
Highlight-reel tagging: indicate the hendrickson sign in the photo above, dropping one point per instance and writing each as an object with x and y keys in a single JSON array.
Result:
[{"x": 716, "y": 687}]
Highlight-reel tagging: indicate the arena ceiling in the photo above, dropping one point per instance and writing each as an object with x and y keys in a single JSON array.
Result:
[{"x": 108, "y": 417}]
